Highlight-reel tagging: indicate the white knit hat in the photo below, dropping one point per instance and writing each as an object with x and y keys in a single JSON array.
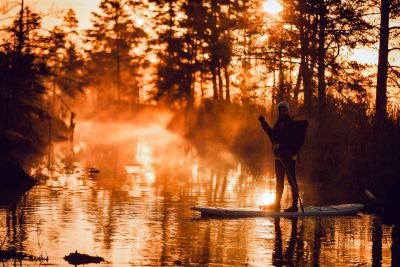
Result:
[{"x": 284, "y": 104}]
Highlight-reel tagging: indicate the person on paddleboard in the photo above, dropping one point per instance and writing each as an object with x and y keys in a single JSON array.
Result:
[{"x": 287, "y": 140}]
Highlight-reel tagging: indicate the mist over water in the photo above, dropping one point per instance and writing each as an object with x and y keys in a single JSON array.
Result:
[{"x": 136, "y": 210}]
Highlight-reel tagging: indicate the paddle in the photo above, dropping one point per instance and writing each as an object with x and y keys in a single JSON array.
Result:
[{"x": 269, "y": 132}]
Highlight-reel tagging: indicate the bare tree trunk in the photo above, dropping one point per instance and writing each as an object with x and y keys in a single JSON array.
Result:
[
  {"x": 304, "y": 71},
  {"x": 307, "y": 87},
  {"x": 220, "y": 84},
  {"x": 381, "y": 98},
  {"x": 201, "y": 85},
  {"x": 289, "y": 81},
  {"x": 192, "y": 87},
  {"x": 377, "y": 234},
  {"x": 214, "y": 41},
  {"x": 226, "y": 67},
  {"x": 214, "y": 82},
  {"x": 118, "y": 75},
  {"x": 20, "y": 30},
  {"x": 296, "y": 89},
  {"x": 228, "y": 94},
  {"x": 118, "y": 57},
  {"x": 274, "y": 93},
  {"x": 281, "y": 77},
  {"x": 321, "y": 62}
]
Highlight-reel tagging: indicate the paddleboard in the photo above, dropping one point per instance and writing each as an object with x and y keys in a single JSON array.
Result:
[{"x": 333, "y": 210}]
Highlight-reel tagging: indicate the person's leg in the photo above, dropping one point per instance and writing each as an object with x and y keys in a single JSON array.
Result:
[
  {"x": 280, "y": 178},
  {"x": 291, "y": 168}
]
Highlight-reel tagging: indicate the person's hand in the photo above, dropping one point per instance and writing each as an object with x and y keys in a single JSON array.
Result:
[
  {"x": 275, "y": 146},
  {"x": 276, "y": 150},
  {"x": 261, "y": 118}
]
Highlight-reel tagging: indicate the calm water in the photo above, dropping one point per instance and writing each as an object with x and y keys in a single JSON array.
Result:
[{"x": 135, "y": 212}]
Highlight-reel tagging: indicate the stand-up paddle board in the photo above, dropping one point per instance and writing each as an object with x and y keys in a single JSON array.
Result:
[{"x": 334, "y": 210}]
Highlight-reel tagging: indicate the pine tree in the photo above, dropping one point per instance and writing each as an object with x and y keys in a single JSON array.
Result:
[
  {"x": 176, "y": 45},
  {"x": 111, "y": 67},
  {"x": 222, "y": 18},
  {"x": 196, "y": 42},
  {"x": 71, "y": 77},
  {"x": 23, "y": 75},
  {"x": 324, "y": 29}
]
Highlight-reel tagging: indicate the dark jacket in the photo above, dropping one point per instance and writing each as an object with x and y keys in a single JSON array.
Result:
[
  {"x": 288, "y": 133},
  {"x": 285, "y": 134}
]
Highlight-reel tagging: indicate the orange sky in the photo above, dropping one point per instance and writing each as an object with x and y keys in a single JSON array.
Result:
[{"x": 83, "y": 9}]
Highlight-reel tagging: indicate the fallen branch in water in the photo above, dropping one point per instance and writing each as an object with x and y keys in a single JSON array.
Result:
[
  {"x": 12, "y": 254},
  {"x": 78, "y": 258}
]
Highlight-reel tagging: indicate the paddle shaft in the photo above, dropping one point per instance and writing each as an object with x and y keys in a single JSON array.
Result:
[{"x": 269, "y": 132}]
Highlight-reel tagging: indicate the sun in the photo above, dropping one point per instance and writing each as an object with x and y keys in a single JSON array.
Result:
[{"x": 272, "y": 7}]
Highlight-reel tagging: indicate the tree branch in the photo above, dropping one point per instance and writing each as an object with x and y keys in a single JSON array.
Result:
[{"x": 394, "y": 49}]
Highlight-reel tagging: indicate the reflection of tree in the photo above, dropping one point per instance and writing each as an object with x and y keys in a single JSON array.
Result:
[
  {"x": 15, "y": 223},
  {"x": 107, "y": 159},
  {"x": 110, "y": 159},
  {"x": 376, "y": 242},
  {"x": 396, "y": 246},
  {"x": 316, "y": 249},
  {"x": 205, "y": 255},
  {"x": 179, "y": 189},
  {"x": 115, "y": 203},
  {"x": 110, "y": 223},
  {"x": 164, "y": 227},
  {"x": 300, "y": 243}
]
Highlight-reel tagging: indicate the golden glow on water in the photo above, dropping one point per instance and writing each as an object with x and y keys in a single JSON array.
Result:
[
  {"x": 267, "y": 198},
  {"x": 135, "y": 211}
]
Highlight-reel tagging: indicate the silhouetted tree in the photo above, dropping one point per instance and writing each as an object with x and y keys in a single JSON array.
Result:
[
  {"x": 71, "y": 76},
  {"x": 175, "y": 71},
  {"x": 112, "y": 68},
  {"x": 23, "y": 73},
  {"x": 222, "y": 19},
  {"x": 325, "y": 30},
  {"x": 196, "y": 41},
  {"x": 388, "y": 10}
]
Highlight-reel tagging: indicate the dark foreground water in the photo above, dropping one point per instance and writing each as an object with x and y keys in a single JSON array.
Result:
[{"x": 135, "y": 212}]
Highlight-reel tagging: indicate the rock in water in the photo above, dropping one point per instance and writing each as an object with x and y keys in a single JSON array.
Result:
[
  {"x": 13, "y": 176},
  {"x": 78, "y": 258}
]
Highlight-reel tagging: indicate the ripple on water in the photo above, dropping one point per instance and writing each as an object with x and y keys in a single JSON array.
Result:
[{"x": 136, "y": 212}]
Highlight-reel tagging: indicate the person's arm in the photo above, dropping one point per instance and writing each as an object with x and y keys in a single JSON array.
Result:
[{"x": 267, "y": 129}]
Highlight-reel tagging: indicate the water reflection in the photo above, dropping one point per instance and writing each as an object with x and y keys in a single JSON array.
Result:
[
  {"x": 395, "y": 246},
  {"x": 280, "y": 258},
  {"x": 14, "y": 222},
  {"x": 135, "y": 211}
]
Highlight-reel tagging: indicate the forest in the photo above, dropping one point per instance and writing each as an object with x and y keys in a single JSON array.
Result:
[{"x": 216, "y": 66}]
